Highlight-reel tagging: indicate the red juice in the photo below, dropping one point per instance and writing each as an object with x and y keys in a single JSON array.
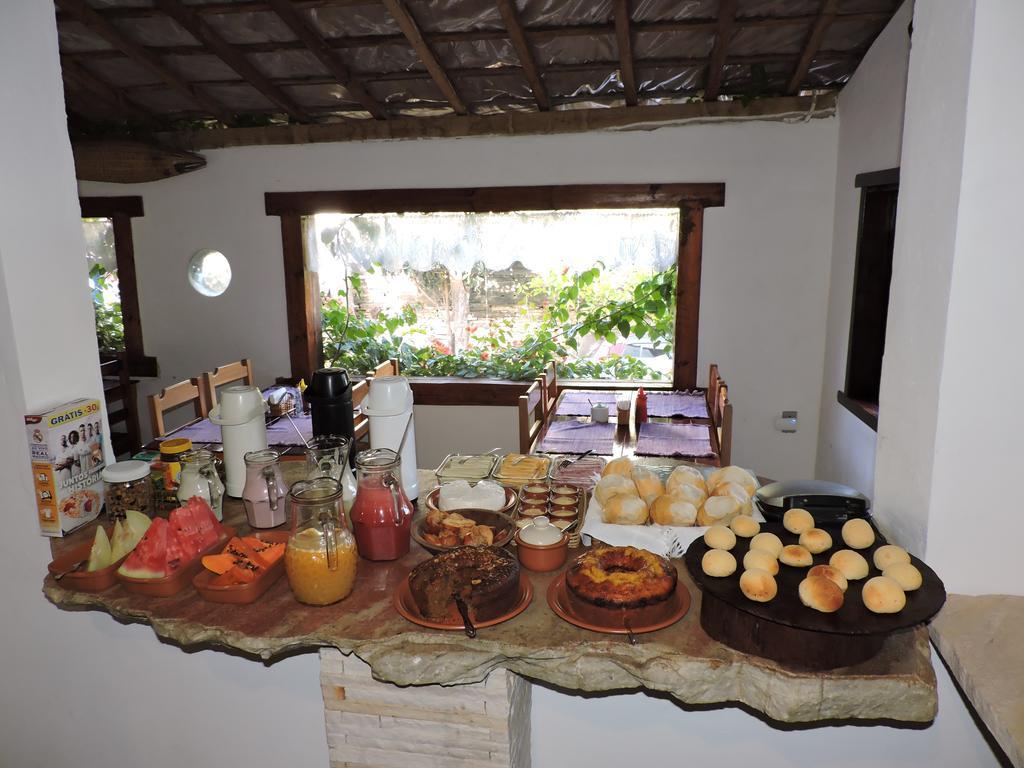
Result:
[{"x": 378, "y": 535}]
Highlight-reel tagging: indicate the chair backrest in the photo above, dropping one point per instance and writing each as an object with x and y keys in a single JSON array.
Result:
[
  {"x": 226, "y": 374},
  {"x": 182, "y": 393},
  {"x": 714, "y": 381},
  {"x": 531, "y": 416},
  {"x": 387, "y": 368},
  {"x": 722, "y": 424},
  {"x": 549, "y": 389},
  {"x": 361, "y": 423}
]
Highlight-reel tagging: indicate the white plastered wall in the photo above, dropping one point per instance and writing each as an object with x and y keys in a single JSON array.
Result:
[
  {"x": 770, "y": 242},
  {"x": 870, "y": 133}
]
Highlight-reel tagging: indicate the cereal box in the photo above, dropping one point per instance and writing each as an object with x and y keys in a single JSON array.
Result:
[{"x": 66, "y": 449}]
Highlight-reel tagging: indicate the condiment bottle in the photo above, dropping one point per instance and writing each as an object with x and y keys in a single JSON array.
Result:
[
  {"x": 320, "y": 557},
  {"x": 641, "y": 406},
  {"x": 382, "y": 513},
  {"x": 264, "y": 492}
]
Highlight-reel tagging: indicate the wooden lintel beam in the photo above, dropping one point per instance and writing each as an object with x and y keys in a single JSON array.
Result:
[
  {"x": 624, "y": 40},
  {"x": 412, "y": 33},
  {"x": 716, "y": 63},
  {"x": 826, "y": 15},
  {"x": 326, "y": 55},
  {"x": 95, "y": 22},
  {"x": 189, "y": 20},
  {"x": 82, "y": 78},
  {"x": 510, "y": 16}
]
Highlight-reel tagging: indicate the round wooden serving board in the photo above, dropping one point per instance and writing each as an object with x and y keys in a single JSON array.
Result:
[{"x": 788, "y": 631}]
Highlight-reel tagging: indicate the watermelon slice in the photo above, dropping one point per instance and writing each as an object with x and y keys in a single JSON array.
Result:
[
  {"x": 178, "y": 553},
  {"x": 186, "y": 531},
  {"x": 149, "y": 558},
  {"x": 205, "y": 519}
]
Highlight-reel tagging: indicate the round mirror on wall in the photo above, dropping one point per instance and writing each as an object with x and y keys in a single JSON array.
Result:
[{"x": 209, "y": 272}]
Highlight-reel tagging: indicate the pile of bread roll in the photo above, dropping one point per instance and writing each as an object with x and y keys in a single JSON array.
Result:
[
  {"x": 634, "y": 495},
  {"x": 824, "y": 587}
]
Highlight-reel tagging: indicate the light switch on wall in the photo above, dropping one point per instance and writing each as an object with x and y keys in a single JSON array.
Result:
[{"x": 787, "y": 422}]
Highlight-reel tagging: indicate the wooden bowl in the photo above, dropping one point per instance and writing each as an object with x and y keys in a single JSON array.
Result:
[
  {"x": 507, "y": 508},
  {"x": 503, "y": 525}
]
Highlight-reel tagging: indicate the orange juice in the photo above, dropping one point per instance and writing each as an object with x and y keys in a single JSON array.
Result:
[{"x": 311, "y": 580}]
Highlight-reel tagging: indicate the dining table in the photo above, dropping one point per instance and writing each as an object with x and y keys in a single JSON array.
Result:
[{"x": 678, "y": 428}]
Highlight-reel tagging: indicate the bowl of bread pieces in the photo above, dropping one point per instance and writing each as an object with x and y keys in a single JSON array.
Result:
[{"x": 631, "y": 494}]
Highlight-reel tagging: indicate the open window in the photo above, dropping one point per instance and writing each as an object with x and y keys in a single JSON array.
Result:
[
  {"x": 870, "y": 305},
  {"x": 492, "y": 283},
  {"x": 110, "y": 251}
]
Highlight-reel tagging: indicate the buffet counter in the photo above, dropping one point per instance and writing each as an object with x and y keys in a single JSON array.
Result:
[{"x": 682, "y": 661}]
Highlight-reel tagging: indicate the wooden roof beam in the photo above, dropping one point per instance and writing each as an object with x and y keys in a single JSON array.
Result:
[
  {"x": 412, "y": 33},
  {"x": 205, "y": 34},
  {"x": 327, "y": 56},
  {"x": 826, "y": 15},
  {"x": 723, "y": 35},
  {"x": 515, "y": 32},
  {"x": 624, "y": 41},
  {"x": 114, "y": 97},
  {"x": 95, "y": 22}
]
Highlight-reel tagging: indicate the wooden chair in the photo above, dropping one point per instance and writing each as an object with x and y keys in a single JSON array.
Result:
[
  {"x": 714, "y": 382},
  {"x": 387, "y": 368},
  {"x": 361, "y": 423},
  {"x": 122, "y": 407},
  {"x": 722, "y": 424},
  {"x": 226, "y": 374},
  {"x": 531, "y": 417},
  {"x": 549, "y": 390},
  {"x": 180, "y": 394}
]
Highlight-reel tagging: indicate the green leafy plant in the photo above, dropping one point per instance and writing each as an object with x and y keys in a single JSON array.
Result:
[{"x": 578, "y": 310}]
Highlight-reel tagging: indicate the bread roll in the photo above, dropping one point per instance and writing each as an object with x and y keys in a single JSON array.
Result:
[
  {"x": 719, "y": 537},
  {"x": 625, "y": 510},
  {"x": 797, "y": 520},
  {"x": 906, "y": 575},
  {"x": 690, "y": 493},
  {"x": 671, "y": 510},
  {"x": 832, "y": 574},
  {"x": 718, "y": 562},
  {"x": 684, "y": 475},
  {"x": 745, "y": 526},
  {"x": 614, "y": 485},
  {"x": 890, "y": 554},
  {"x": 733, "y": 474},
  {"x": 769, "y": 542},
  {"x": 816, "y": 540},
  {"x": 758, "y": 585},
  {"x": 737, "y": 492},
  {"x": 718, "y": 509},
  {"x": 796, "y": 556},
  {"x": 647, "y": 483},
  {"x": 821, "y": 594},
  {"x": 858, "y": 533},
  {"x": 883, "y": 595},
  {"x": 620, "y": 466},
  {"x": 849, "y": 563},
  {"x": 759, "y": 559}
]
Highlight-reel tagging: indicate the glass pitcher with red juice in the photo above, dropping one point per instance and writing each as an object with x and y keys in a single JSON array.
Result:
[{"x": 381, "y": 513}]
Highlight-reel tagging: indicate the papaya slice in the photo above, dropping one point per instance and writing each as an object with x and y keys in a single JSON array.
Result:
[
  {"x": 242, "y": 548},
  {"x": 273, "y": 553},
  {"x": 219, "y": 564},
  {"x": 242, "y": 575}
]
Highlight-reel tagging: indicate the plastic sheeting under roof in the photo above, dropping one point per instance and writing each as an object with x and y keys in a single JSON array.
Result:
[{"x": 572, "y": 43}]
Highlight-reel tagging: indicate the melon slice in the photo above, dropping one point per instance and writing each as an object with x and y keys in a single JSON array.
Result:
[
  {"x": 119, "y": 542},
  {"x": 99, "y": 555},
  {"x": 127, "y": 534},
  {"x": 149, "y": 558}
]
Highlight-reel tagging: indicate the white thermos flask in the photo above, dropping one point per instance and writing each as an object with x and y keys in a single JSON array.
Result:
[
  {"x": 388, "y": 407},
  {"x": 243, "y": 428}
]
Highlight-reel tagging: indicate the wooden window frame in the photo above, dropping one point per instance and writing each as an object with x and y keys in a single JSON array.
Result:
[
  {"x": 302, "y": 289},
  {"x": 121, "y": 211},
  {"x": 866, "y": 411}
]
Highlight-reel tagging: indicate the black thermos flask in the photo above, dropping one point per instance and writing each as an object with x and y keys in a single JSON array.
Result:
[{"x": 330, "y": 401}]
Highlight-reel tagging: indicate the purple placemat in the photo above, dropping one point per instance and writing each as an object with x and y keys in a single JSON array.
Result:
[
  {"x": 683, "y": 440},
  {"x": 577, "y": 403},
  {"x": 692, "y": 405},
  {"x": 280, "y": 432},
  {"x": 578, "y": 437}
]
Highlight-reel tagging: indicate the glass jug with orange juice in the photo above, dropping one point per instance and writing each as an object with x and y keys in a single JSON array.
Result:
[{"x": 320, "y": 557}]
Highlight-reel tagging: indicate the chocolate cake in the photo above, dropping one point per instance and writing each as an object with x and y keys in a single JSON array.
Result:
[{"x": 486, "y": 578}]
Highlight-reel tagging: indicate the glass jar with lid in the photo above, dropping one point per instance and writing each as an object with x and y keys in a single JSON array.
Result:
[
  {"x": 199, "y": 478},
  {"x": 126, "y": 485}
]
